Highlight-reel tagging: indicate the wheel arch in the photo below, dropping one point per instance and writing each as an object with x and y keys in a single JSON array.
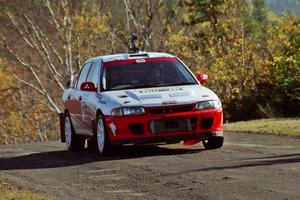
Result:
[{"x": 98, "y": 112}]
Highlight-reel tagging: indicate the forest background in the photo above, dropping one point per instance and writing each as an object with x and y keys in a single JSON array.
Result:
[{"x": 250, "y": 50}]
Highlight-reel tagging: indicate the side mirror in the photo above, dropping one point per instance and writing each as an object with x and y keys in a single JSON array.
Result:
[
  {"x": 88, "y": 86},
  {"x": 202, "y": 78}
]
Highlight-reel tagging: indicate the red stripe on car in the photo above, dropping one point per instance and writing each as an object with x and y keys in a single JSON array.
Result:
[{"x": 122, "y": 62}]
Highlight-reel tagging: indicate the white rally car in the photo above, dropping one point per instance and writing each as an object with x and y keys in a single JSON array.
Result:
[{"x": 137, "y": 98}]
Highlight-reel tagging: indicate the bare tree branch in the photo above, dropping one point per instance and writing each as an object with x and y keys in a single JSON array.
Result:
[
  {"x": 45, "y": 54},
  {"x": 40, "y": 88},
  {"x": 29, "y": 43},
  {"x": 48, "y": 5},
  {"x": 51, "y": 46}
]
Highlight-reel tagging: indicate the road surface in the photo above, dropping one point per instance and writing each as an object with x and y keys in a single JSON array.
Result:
[{"x": 249, "y": 166}]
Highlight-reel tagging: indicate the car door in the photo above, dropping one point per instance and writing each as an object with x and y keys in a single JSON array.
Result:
[
  {"x": 78, "y": 107},
  {"x": 89, "y": 98}
]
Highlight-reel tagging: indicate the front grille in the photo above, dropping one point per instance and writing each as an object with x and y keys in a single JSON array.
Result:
[
  {"x": 172, "y": 125},
  {"x": 206, "y": 123},
  {"x": 137, "y": 128},
  {"x": 164, "y": 110}
]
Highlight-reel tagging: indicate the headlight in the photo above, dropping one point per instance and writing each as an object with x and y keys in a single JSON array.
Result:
[
  {"x": 128, "y": 111},
  {"x": 205, "y": 105}
]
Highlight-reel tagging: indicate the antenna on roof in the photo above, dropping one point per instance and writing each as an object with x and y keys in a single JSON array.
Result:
[{"x": 132, "y": 46}]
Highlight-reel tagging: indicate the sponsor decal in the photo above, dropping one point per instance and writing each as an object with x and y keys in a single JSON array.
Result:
[
  {"x": 160, "y": 90},
  {"x": 140, "y": 61},
  {"x": 168, "y": 102},
  {"x": 84, "y": 109},
  {"x": 113, "y": 128},
  {"x": 86, "y": 86}
]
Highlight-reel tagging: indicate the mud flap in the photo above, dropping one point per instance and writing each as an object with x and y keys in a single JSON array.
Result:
[
  {"x": 191, "y": 142},
  {"x": 94, "y": 125},
  {"x": 62, "y": 127}
]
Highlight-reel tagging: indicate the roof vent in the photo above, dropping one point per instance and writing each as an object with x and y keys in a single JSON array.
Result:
[{"x": 144, "y": 55}]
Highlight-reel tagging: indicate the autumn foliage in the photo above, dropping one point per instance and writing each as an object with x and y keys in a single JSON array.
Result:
[{"x": 251, "y": 55}]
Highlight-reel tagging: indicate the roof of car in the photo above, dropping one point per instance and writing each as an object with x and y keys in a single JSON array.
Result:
[{"x": 127, "y": 56}]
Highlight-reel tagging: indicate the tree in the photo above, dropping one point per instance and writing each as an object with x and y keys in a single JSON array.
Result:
[
  {"x": 22, "y": 118},
  {"x": 280, "y": 80},
  {"x": 56, "y": 50},
  {"x": 235, "y": 52},
  {"x": 202, "y": 11},
  {"x": 43, "y": 50},
  {"x": 259, "y": 11}
]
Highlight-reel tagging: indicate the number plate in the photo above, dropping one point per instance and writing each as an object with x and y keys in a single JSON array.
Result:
[
  {"x": 176, "y": 125},
  {"x": 171, "y": 124}
]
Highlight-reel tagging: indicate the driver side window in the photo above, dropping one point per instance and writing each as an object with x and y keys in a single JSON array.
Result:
[{"x": 83, "y": 75}]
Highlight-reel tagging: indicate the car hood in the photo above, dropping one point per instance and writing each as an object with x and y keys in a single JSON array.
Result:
[{"x": 161, "y": 96}]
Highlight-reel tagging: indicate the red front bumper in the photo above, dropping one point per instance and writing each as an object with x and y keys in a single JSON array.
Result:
[{"x": 136, "y": 129}]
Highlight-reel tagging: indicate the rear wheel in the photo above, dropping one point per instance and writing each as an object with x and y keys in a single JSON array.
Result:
[
  {"x": 213, "y": 143},
  {"x": 102, "y": 136},
  {"x": 73, "y": 141}
]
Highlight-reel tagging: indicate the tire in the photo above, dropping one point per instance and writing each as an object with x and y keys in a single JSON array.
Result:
[
  {"x": 73, "y": 141},
  {"x": 213, "y": 143},
  {"x": 103, "y": 145}
]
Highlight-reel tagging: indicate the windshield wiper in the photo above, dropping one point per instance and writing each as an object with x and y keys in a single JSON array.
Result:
[
  {"x": 145, "y": 86},
  {"x": 138, "y": 86},
  {"x": 121, "y": 87},
  {"x": 175, "y": 84}
]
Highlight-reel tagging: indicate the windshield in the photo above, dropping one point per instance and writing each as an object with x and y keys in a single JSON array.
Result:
[{"x": 145, "y": 73}]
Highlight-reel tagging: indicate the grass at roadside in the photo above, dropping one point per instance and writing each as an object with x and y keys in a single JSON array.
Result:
[
  {"x": 281, "y": 126},
  {"x": 9, "y": 192}
]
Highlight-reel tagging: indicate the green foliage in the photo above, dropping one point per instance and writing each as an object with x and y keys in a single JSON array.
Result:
[
  {"x": 90, "y": 26},
  {"x": 201, "y": 11},
  {"x": 259, "y": 11},
  {"x": 251, "y": 60}
]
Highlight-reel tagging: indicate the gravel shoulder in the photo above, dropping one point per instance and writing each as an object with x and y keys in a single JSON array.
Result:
[{"x": 249, "y": 166}]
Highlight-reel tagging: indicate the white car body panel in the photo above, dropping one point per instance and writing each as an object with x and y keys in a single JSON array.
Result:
[{"x": 159, "y": 96}]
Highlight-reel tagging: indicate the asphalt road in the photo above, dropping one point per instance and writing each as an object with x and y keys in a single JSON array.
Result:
[{"x": 249, "y": 166}]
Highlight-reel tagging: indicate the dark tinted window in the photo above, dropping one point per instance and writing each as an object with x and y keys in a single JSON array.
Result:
[
  {"x": 83, "y": 74},
  {"x": 92, "y": 73},
  {"x": 146, "y": 74}
]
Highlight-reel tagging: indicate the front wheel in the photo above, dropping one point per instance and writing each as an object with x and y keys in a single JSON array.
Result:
[
  {"x": 73, "y": 141},
  {"x": 213, "y": 143},
  {"x": 102, "y": 136}
]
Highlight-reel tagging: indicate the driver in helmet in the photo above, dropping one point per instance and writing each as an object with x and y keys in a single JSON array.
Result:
[
  {"x": 156, "y": 75},
  {"x": 115, "y": 77}
]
